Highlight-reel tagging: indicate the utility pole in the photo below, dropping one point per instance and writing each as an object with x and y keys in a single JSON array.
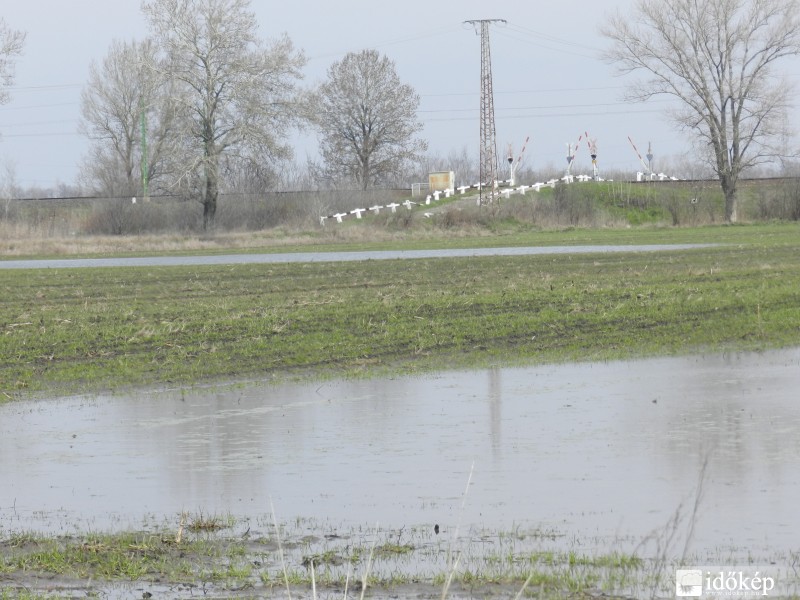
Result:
[{"x": 488, "y": 153}]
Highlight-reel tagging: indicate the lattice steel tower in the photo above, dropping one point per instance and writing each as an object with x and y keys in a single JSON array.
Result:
[{"x": 488, "y": 154}]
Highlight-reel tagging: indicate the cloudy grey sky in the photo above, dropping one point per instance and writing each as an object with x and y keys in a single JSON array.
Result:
[{"x": 549, "y": 83}]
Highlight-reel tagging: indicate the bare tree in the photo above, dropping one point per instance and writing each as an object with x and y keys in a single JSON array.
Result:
[
  {"x": 717, "y": 58},
  {"x": 11, "y": 44},
  {"x": 9, "y": 190},
  {"x": 128, "y": 113},
  {"x": 367, "y": 120},
  {"x": 239, "y": 95}
]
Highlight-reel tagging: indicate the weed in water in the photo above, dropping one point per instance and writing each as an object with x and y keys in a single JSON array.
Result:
[{"x": 208, "y": 523}]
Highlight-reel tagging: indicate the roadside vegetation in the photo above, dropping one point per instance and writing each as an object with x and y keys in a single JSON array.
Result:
[{"x": 58, "y": 226}]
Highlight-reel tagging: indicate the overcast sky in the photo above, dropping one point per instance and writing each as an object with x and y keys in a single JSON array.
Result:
[{"x": 549, "y": 82}]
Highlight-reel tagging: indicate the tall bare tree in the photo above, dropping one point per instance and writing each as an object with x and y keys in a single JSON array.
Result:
[
  {"x": 717, "y": 58},
  {"x": 367, "y": 120},
  {"x": 128, "y": 113},
  {"x": 238, "y": 92},
  {"x": 11, "y": 44}
]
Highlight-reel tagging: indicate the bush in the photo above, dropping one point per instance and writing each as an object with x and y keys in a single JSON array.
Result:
[
  {"x": 120, "y": 216},
  {"x": 782, "y": 204}
]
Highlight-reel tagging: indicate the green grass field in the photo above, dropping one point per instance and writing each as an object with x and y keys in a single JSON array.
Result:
[{"x": 85, "y": 330}]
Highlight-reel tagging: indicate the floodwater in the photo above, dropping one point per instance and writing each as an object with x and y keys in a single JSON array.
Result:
[
  {"x": 594, "y": 451},
  {"x": 306, "y": 257}
]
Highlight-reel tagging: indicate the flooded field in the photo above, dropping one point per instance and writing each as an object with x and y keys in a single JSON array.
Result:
[{"x": 604, "y": 453}]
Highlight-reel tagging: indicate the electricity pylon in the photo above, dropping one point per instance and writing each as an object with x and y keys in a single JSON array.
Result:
[{"x": 488, "y": 153}]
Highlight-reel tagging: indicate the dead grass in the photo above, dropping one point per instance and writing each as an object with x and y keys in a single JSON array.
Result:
[
  {"x": 20, "y": 242},
  {"x": 17, "y": 243}
]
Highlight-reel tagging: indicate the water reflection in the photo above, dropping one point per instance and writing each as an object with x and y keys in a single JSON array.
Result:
[
  {"x": 495, "y": 411},
  {"x": 596, "y": 449}
]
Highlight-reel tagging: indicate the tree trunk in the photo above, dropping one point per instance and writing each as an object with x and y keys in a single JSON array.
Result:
[
  {"x": 210, "y": 199},
  {"x": 364, "y": 171},
  {"x": 211, "y": 168},
  {"x": 730, "y": 206},
  {"x": 728, "y": 183}
]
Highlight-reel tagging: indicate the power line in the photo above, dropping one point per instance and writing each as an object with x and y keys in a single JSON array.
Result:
[
  {"x": 546, "y": 47},
  {"x": 550, "y": 38},
  {"x": 5, "y": 108},
  {"x": 44, "y": 88},
  {"x": 556, "y": 115},
  {"x": 401, "y": 40},
  {"x": 35, "y": 123},
  {"x": 24, "y": 135},
  {"x": 539, "y": 91},
  {"x": 543, "y": 107}
]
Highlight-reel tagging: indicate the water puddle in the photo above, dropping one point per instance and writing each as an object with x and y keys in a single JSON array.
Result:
[{"x": 597, "y": 450}]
